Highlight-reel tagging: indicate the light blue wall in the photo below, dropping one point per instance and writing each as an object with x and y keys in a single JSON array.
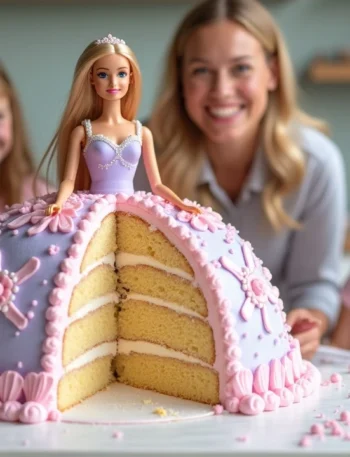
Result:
[{"x": 40, "y": 44}]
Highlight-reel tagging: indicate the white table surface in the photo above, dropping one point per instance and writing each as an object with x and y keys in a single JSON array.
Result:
[{"x": 272, "y": 433}]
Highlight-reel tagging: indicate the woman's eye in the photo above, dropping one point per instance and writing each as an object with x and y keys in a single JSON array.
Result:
[
  {"x": 241, "y": 69},
  {"x": 102, "y": 75},
  {"x": 200, "y": 71},
  {"x": 122, "y": 74}
]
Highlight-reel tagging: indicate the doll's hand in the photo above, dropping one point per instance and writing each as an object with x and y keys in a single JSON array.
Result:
[
  {"x": 190, "y": 209},
  {"x": 52, "y": 210}
]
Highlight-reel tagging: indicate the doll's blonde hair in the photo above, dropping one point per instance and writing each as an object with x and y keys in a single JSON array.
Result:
[
  {"x": 84, "y": 103},
  {"x": 18, "y": 163},
  {"x": 179, "y": 140}
]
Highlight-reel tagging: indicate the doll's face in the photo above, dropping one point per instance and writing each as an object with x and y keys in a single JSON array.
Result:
[
  {"x": 111, "y": 77},
  {"x": 6, "y": 129},
  {"x": 226, "y": 80}
]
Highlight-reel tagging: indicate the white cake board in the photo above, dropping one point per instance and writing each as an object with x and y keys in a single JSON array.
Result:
[{"x": 121, "y": 404}]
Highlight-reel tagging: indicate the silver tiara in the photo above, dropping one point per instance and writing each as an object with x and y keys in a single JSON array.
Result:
[{"x": 110, "y": 39}]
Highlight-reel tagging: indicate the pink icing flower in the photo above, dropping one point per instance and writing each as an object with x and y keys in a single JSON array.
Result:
[
  {"x": 255, "y": 283},
  {"x": 216, "y": 264},
  {"x": 35, "y": 215},
  {"x": 231, "y": 233},
  {"x": 168, "y": 207},
  {"x": 207, "y": 220},
  {"x": 9, "y": 283},
  {"x": 16, "y": 208},
  {"x": 53, "y": 249}
]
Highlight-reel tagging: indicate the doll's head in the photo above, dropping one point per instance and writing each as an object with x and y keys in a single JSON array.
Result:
[{"x": 84, "y": 92}]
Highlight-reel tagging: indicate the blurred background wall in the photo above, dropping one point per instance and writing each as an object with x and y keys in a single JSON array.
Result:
[{"x": 41, "y": 41}]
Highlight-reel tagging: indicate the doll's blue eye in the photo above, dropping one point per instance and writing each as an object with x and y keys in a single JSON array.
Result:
[
  {"x": 122, "y": 74},
  {"x": 102, "y": 75}
]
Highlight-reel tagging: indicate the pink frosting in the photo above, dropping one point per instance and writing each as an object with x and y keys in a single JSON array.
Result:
[
  {"x": 317, "y": 429},
  {"x": 272, "y": 401},
  {"x": 286, "y": 397},
  {"x": 242, "y": 383},
  {"x": 218, "y": 409},
  {"x": 11, "y": 384},
  {"x": 261, "y": 379},
  {"x": 37, "y": 387},
  {"x": 232, "y": 404},
  {"x": 306, "y": 441},
  {"x": 10, "y": 411},
  {"x": 33, "y": 413},
  {"x": 345, "y": 416},
  {"x": 251, "y": 405},
  {"x": 277, "y": 375},
  {"x": 335, "y": 378}
]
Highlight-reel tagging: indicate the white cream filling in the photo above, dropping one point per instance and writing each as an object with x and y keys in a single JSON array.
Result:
[
  {"x": 126, "y": 259},
  {"x": 93, "y": 305},
  {"x": 143, "y": 347},
  {"x": 89, "y": 356},
  {"x": 165, "y": 304},
  {"x": 108, "y": 259},
  {"x": 125, "y": 346}
]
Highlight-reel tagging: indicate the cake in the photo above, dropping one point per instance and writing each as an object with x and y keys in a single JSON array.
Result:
[{"x": 130, "y": 289}]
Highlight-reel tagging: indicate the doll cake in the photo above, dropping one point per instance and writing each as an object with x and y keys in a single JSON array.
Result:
[
  {"x": 130, "y": 289},
  {"x": 99, "y": 284}
]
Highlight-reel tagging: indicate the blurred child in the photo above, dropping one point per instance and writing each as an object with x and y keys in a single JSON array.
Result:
[{"x": 16, "y": 163}]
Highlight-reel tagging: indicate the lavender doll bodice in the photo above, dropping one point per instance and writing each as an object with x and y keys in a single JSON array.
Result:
[{"x": 112, "y": 166}]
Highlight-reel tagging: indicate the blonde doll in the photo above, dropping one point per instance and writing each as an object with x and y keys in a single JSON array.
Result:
[{"x": 98, "y": 142}]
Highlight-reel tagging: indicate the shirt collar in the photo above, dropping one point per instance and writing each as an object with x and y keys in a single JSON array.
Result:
[{"x": 255, "y": 181}]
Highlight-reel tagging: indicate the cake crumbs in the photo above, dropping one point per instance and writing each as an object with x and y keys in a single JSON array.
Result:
[
  {"x": 172, "y": 412},
  {"x": 118, "y": 435},
  {"x": 305, "y": 441},
  {"x": 242, "y": 439},
  {"x": 148, "y": 401},
  {"x": 160, "y": 411}
]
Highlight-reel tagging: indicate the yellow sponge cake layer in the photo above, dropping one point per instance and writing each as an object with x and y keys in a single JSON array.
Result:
[
  {"x": 135, "y": 236},
  {"x": 169, "y": 376},
  {"x": 98, "y": 282},
  {"x": 140, "y": 320},
  {"x": 77, "y": 385},
  {"x": 102, "y": 243},
  {"x": 146, "y": 280},
  {"x": 96, "y": 327}
]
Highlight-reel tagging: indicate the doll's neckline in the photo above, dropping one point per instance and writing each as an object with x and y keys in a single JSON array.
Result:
[
  {"x": 106, "y": 139},
  {"x": 100, "y": 137}
]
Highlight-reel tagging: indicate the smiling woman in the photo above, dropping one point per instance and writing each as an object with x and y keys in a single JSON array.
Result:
[{"x": 230, "y": 135}]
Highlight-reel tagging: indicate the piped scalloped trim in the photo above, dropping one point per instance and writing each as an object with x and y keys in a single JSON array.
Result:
[{"x": 36, "y": 388}]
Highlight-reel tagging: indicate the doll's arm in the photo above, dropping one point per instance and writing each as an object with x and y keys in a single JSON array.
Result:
[
  {"x": 66, "y": 187},
  {"x": 153, "y": 175}
]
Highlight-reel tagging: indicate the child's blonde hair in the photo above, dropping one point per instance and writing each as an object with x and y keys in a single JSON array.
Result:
[{"x": 18, "y": 163}]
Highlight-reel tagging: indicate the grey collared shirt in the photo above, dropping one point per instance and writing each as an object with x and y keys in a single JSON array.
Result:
[{"x": 305, "y": 264}]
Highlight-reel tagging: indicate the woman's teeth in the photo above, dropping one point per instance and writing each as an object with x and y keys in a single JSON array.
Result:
[{"x": 224, "y": 112}]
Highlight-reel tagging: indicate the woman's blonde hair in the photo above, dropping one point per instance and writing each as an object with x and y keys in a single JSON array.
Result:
[
  {"x": 84, "y": 103},
  {"x": 179, "y": 140},
  {"x": 18, "y": 163}
]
